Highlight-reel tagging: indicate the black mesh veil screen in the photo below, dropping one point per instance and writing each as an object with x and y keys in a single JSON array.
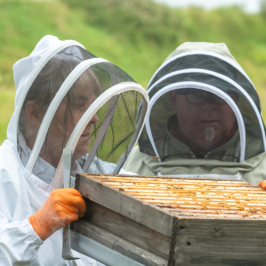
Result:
[
  {"x": 211, "y": 63},
  {"x": 42, "y": 92},
  {"x": 116, "y": 132},
  {"x": 108, "y": 136},
  {"x": 160, "y": 121}
]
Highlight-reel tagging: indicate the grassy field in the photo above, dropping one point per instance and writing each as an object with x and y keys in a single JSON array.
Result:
[{"x": 136, "y": 35}]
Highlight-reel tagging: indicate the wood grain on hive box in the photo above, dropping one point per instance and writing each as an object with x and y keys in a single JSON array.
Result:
[{"x": 175, "y": 221}]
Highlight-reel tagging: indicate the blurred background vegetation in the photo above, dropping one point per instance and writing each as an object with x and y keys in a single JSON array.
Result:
[{"x": 136, "y": 35}]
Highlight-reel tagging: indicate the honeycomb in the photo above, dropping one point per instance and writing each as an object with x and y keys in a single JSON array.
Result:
[{"x": 204, "y": 198}]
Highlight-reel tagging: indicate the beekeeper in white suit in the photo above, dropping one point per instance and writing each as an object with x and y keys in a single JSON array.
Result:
[{"x": 32, "y": 212}]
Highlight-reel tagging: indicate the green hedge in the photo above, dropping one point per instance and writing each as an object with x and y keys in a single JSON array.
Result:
[{"x": 136, "y": 35}]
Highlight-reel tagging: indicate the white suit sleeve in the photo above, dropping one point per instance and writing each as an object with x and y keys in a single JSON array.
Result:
[
  {"x": 124, "y": 172},
  {"x": 19, "y": 243}
]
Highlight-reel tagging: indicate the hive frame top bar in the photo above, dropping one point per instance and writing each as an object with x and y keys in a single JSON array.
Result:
[
  {"x": 190, "y": 198},
  {"x": 171, "y": 177}
]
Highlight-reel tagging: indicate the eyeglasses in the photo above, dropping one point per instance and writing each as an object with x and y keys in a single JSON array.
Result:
[{"x": 194, "y": 96}]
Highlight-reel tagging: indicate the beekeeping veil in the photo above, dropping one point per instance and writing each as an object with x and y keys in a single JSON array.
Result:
[
  {"x": 202, "y": 106},
  {"x": 69, "y": 99}
]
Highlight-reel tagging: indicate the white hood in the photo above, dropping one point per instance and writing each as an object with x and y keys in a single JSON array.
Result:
[{"x": 25, "y": 71}]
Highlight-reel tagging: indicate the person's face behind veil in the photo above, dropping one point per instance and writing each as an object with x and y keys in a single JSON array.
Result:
[
  {"x": 84, "y": 91},
  {"x": 67, "y": 116},
  {"x": 203, "y": 118}
]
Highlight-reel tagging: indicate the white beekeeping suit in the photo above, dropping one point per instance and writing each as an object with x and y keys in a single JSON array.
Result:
[{"x": 56, "y": 86}]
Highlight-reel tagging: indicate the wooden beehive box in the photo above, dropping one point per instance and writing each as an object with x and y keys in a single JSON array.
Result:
[{"x": 176, "y": 221}]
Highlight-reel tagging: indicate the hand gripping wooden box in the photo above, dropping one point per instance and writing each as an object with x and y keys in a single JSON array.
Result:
[{"x": 175, "y": 221}]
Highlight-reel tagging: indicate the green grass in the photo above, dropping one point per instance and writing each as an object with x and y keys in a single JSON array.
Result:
[
  {"x": 6, "y": 109},
  {"x": 136, "y": 35}
]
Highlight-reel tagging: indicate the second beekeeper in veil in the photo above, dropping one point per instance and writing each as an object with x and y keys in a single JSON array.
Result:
[
  {"x": 204, "y": 119},
  {"x": 66, "y": 99}
]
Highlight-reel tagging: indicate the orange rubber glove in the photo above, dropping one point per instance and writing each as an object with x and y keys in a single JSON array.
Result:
[
  {"x": 262, "y": 184},
  {"x": 62, "y": 207}
]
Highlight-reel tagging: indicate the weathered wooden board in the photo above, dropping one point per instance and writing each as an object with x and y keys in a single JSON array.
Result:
[
  {"x": 176, "y": 221},
  {"x": 219, "y": 242},
  {"x": 140, "y": 211},
  {"x": 124, "y": 235}
]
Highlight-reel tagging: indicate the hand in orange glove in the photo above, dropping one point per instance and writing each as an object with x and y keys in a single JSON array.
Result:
[
  {"x": 62, "y": 207},
  {"x": 262, "y": 184}
]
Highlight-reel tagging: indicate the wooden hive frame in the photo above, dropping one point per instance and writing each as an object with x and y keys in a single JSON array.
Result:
[{"x": 175, "y": 221}]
